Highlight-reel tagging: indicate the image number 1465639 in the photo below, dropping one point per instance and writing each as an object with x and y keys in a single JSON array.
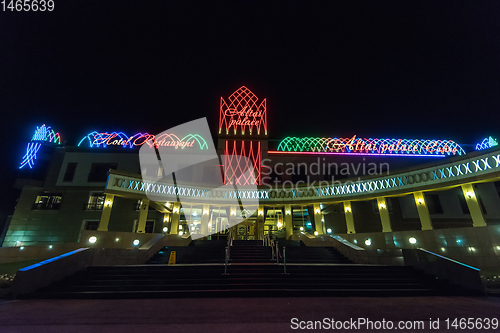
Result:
[{"x": 28, "y": 5}]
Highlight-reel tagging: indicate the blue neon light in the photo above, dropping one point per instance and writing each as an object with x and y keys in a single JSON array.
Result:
[
  {"x": 486, "y": 143},
  {"x": 43, "y": 135},
  {"x": 41, "y": 263}
]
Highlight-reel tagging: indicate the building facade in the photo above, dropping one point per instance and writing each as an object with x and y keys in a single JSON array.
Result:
[{"x": 319, "y": 186}]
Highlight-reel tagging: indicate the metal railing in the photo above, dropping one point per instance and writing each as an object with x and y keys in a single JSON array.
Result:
[
  {"x": 284, "y": 260},
  {"x": 228, "y": 250}
]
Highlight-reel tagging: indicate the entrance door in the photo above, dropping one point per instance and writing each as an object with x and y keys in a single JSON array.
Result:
[{"x": 246, "y": 230}]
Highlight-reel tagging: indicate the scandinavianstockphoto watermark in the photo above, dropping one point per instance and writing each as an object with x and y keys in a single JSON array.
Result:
[
  {"x": 323, "y": 167},
  {"x": 320, "y": 173}
]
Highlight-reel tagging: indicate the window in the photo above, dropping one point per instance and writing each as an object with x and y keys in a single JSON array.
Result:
[
  {"x": 91, "y": 225},
  {"x": 479, "y": 199},
  {"x": 433, "y": 204},
  {"x": 463, "y": 204},
  {"x": 150, "y": 226},
  {"x": 70, "y": 172},
  {"x": 96, "y": 201},
  {"x": 99, "y": 171},
  {"x": 47, "y": 202}
]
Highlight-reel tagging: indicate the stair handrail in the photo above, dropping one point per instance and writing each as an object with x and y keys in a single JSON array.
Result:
[
  {"x": 277, "y": 253},
  {"x": 226, "y": 260},
  {"x": 229, "y": 243},
  {"x": 284, "y": 260}
]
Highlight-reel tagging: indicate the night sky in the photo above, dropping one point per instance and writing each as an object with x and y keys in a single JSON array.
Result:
[{"x": 409, "y": 69}]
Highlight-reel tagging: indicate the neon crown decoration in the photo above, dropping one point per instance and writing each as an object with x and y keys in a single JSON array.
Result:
[{"x": 241, "y": 113}]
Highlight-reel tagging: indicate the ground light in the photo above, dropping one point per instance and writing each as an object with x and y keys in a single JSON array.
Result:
[
  {"x": 301, "y": 228},
  {"x": 412, "y": 240},
  {"x": 117, "y": 239},
  {"x": 315, "y": 233},
  {"x": 329, "y": 230},
  {"x": 368, "y": 242},
  {"x": 50, "y": 246},
  {"x": 135, "y": 242},
  {"x": 92, "y": 239},
  {"x": 21, "y": 248},
  {"x": 165, "y": 229},
  {"x": 181, "y": 233}
]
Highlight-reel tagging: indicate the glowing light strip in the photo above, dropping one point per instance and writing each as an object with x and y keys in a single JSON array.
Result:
[
  {"x": 241, "y": 113},
  {"x": 371, "y": 146},
  {"x": 105, "y": 139},
  {"x": 357, "y": 154},
  {"x": 486, "y": 143},
  {"x": 43, "y": 135},
  {"x": 30, "y": 156},
  {"x": 41, "y": 263}
]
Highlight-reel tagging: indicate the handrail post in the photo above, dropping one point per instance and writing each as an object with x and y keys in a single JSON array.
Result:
[
  {"x": 225, "y": 262},
  {"x": 277, "y": 253},
  {"x": 284, "y": 260}
]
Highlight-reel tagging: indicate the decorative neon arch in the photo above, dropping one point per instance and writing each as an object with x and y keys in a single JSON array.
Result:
[
  {"x": 369, "y": 146},
  {"x": 486, "y": 143},
  {"x": 43, "y": 135},
  {"x": 105, "y": 139}
]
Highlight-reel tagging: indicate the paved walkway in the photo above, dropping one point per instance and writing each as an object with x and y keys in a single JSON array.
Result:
[{"x": 233, "y": 314}]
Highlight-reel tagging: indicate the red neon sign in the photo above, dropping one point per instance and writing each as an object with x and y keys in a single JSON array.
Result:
[
  {"x": 242, "y": 113},
  {"x": 235, "y": 167}
]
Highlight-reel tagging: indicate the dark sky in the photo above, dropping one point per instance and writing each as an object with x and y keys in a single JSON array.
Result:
[{"x": 409, "y": 69}]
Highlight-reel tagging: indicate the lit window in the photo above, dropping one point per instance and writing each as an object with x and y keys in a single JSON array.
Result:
[
  {"x": 96, "y": 201},
  {"x": 47, "y": 202}
]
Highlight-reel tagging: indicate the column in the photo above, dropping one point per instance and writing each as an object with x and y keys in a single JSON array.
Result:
[
  {"x": 166, "y": 219},
  {"x": 384, "y": 214},
  {"x": 175, "y": 218},
  {"x": 143, "y": 215},
  {"x": 473, "y": 204},
  {"x": 423, "y": 211},
  {"x": 318, "y": 219},
  {"x": 349, "y": 219},
  {"x": 288, "y": 221},
  {"x": 204, "y": 220},
  {"x": 232, "y": 221},
  {"x": 259, "y": 222},
  {"x": 106, "y": 212}
]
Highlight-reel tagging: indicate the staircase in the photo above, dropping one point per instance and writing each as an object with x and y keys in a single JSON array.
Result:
[
  {"x": 160, "y": 281},
  {"x": 250, "y": 274},
  {"x": 198, "y": 252},
  {"x": 250, "y": 252}
]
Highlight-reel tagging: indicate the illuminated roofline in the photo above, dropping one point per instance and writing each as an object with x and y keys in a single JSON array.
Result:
[
  {"x": 356, "y": 154},
  {"x": 371, "y": 146}
]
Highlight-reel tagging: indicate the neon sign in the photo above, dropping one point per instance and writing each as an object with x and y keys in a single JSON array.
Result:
[
  {"x": 105, "y": 139},
  {"x": 242, "y": 113},
  {"x": 487, "y": 143},
  {"x": 43, "y": 135},
  {"x": 400, "y": 147},
  {"x": 235, "y": 165}
]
